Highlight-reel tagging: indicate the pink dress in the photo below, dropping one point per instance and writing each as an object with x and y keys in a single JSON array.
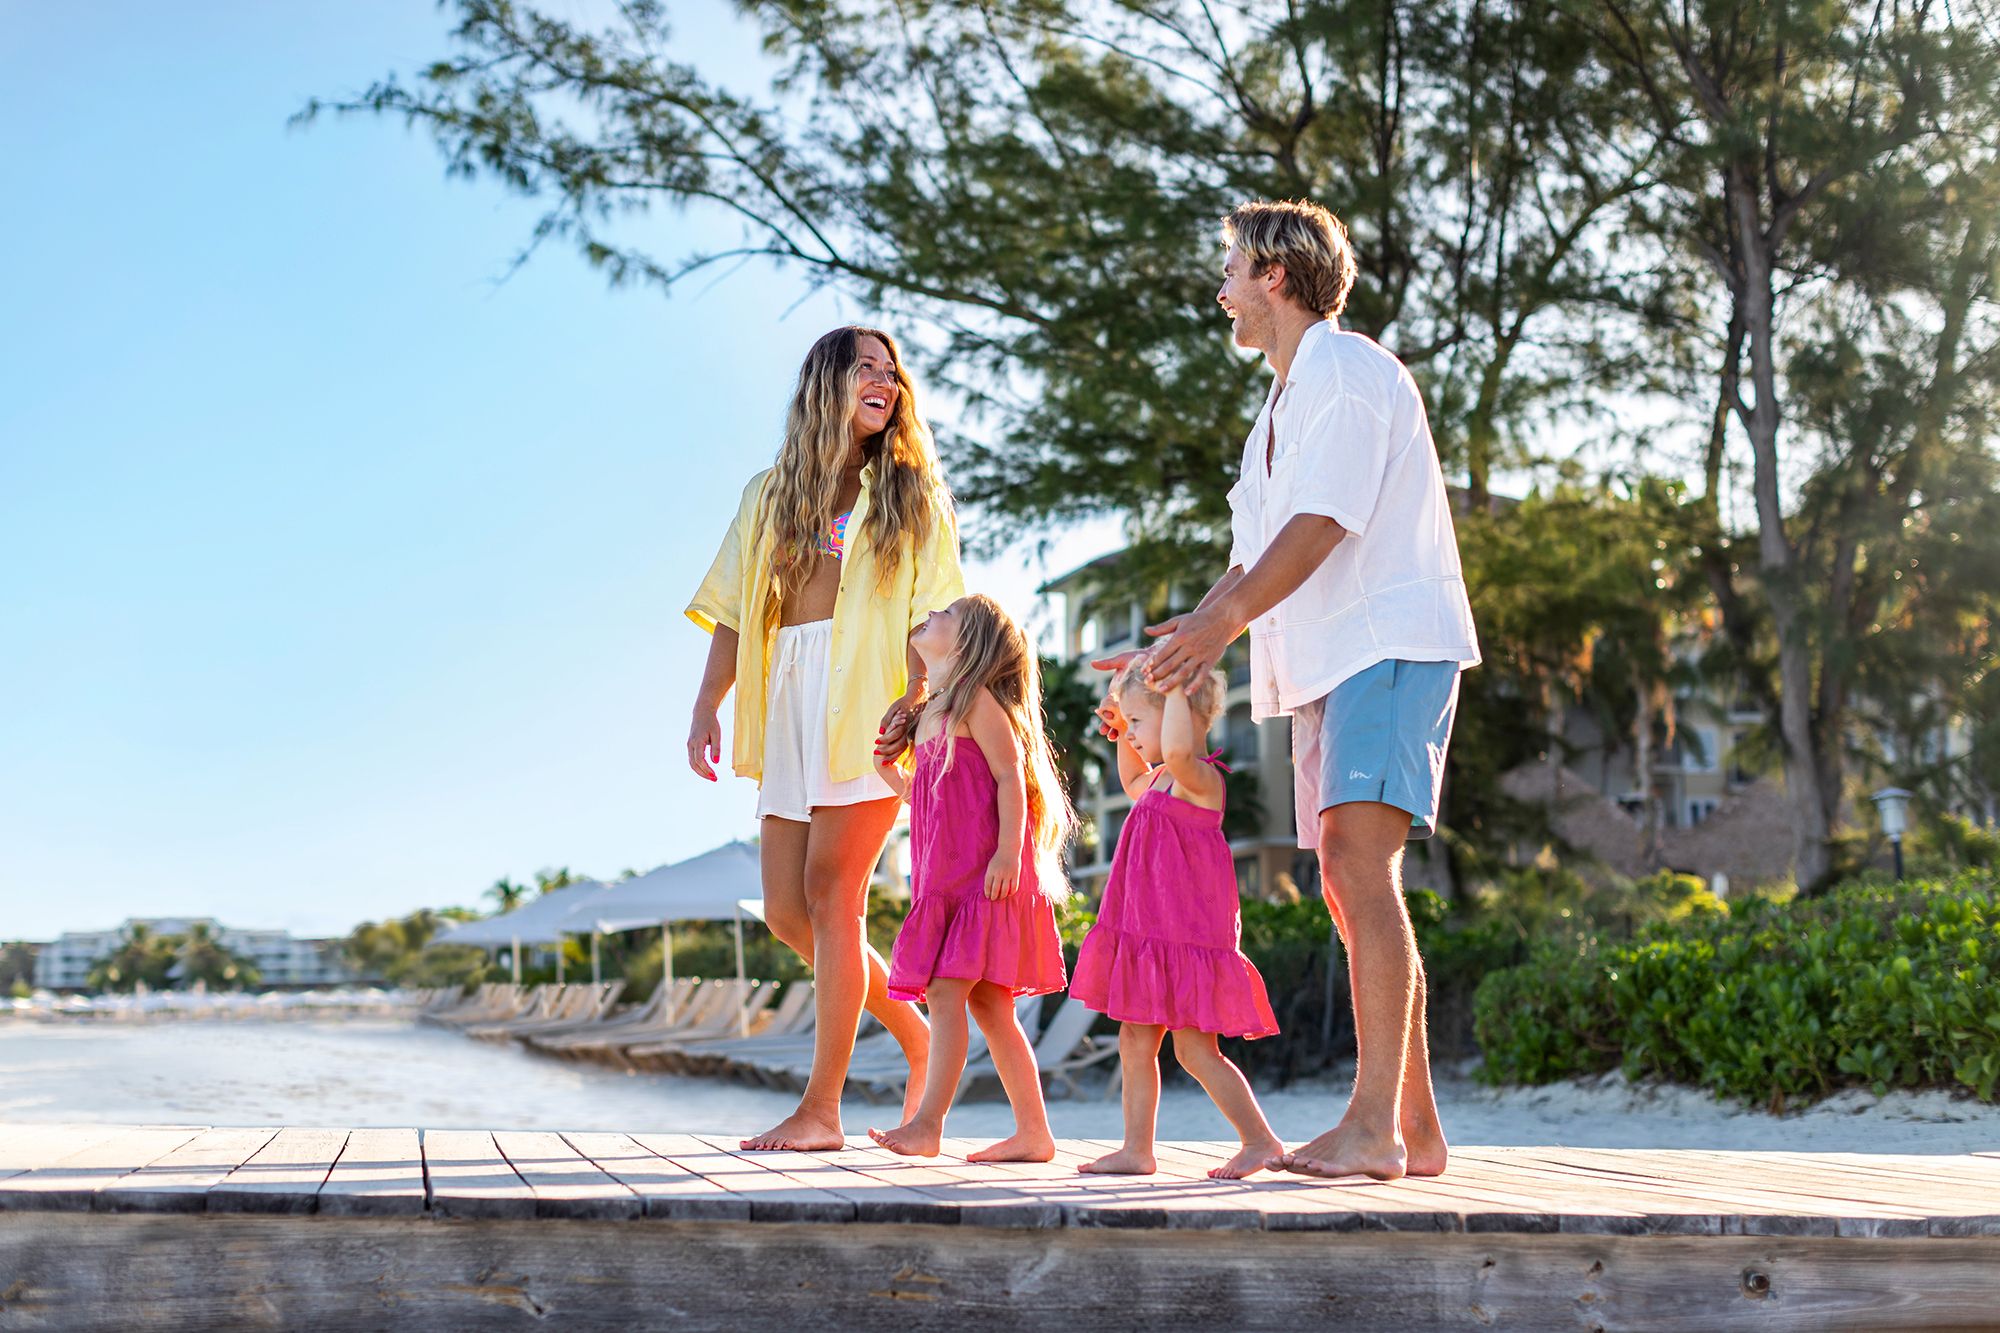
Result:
[
  {"x": 1167, "y": 946},
  {"x": 953, "y": 930}
]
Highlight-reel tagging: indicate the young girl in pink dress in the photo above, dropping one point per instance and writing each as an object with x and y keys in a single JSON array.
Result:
[
  {"x": 988, "y": 820},
  {"x": 1166, "y": 953}
]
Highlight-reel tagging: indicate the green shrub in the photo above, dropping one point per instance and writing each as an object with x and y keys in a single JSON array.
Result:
[{"x": 1876, "y": 984}]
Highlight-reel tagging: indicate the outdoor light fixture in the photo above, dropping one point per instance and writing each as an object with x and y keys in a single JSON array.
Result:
[{"x": 1894, "y": 805}]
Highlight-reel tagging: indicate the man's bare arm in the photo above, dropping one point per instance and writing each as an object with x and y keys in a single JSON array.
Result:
[{"x": 1200, "y": 636}]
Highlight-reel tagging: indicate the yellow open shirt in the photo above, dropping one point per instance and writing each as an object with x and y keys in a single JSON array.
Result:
[{"x": 871, "y": 630}]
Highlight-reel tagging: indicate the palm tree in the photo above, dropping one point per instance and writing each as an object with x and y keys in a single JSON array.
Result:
[
  {"x": 548, "y": 881},
  {"x": 507, "y": 894},
  {"x": 140, "y": 958},
  {"x": 205, "y": 960}
]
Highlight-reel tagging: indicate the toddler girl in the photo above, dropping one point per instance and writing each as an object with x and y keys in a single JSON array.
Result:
[
  {"x": 1165, "y": 954},
  {"x": 988, "y": 820}
]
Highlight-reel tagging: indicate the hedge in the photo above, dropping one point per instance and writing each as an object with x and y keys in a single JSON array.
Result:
[{"x": 1880, "y": 985}]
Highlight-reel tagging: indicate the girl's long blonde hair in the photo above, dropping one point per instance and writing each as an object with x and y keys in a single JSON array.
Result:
[
  {"x": 907, "y": 498},
  {"x": 995, "y": 656}
]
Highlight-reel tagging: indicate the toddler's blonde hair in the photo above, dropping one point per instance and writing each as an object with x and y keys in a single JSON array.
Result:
[{"x": 1205, "y": 698}]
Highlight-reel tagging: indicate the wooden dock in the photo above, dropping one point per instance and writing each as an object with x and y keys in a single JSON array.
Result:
[{"x": 151, "y": 1226}]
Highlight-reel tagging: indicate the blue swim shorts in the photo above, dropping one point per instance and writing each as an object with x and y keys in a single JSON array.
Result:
[{"x": 1380, "y": 736}]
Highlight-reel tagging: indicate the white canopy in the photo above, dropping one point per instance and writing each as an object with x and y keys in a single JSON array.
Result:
[
  {"x": 707, "y": 887},
  {"x": 542, "y": 920}
]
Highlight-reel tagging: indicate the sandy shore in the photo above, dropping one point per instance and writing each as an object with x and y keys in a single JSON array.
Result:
[{"x": 383, "y": 1073}]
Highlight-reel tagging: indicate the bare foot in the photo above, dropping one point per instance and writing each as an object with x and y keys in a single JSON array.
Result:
[
  {"x": 1124, "y": 1162},
  {"x": 801, "y": 1131},
  {"x": 1254, "y": 1157},
  {"x": 1346, "y": 1152},
  {"x": 1021, "y": 1146},
  {"x": 912, "y": 1139},
  {"x": 1425, "y": 1148}
]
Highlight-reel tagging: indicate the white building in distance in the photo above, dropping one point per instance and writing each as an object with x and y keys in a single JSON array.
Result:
[{"x": 282, "y": 959}]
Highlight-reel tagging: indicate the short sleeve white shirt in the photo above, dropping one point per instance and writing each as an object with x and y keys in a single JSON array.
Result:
[{"x": 1352, "y": 444}]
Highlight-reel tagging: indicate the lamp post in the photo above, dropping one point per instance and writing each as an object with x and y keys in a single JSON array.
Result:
[{"x": 1894, "y": 805}]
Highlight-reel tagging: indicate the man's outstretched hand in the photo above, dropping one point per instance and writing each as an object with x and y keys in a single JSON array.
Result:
[
  {"x": 1194, "y": 643},
  {"x": 1119, "y": 661}
]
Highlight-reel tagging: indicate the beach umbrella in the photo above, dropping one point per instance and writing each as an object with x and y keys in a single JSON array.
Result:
[
  {"x": 708, "y": 887},
  {"x": 539, "y": 921}
]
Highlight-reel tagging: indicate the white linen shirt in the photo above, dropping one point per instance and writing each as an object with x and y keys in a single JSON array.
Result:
[{"x": 1353, "y": 445}]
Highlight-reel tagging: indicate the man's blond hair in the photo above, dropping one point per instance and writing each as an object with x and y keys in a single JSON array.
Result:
[{"x": 1307, "y": 240}]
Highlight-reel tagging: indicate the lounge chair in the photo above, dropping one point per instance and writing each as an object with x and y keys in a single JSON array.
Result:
[
  {"x": 552, "y": 1002},
  {"x": 585, "y": 1005},
  {"x": 787, "y": 1021},
  {"x": 708, "y": 1000},
  {"x": 656, "y": 1015},
  {"x": 756, "y": 1016},
  {"x": 492, "y": 1005}
]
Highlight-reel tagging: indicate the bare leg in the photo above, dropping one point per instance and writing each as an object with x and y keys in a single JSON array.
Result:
[
  {"x": 1417, "y": 1115},
  {"x": 815, "y": 889},
  {"x": 1360, "y": 855},
  {"x": 1225, "y": 1084},
  {"x": 918, "y": 1135},
  {"x": 1014, "y": 1061},
  {"x": 1139, "y": 1062}
]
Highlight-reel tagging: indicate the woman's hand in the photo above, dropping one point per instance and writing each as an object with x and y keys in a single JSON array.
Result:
[
  {"x": 1003, "y": 875},
  {"x": 899, "y": 724},
  {"x": 705, "y": 743}
]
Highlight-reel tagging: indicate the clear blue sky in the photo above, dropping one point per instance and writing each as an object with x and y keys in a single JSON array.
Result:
[{"x": 336, "y": 577}]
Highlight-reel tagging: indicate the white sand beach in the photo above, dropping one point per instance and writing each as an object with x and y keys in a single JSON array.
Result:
[{"x": 388, "y": 1073}]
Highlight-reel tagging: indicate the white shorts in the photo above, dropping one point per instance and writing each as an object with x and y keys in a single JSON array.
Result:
[{"x": 797, "y": 773}]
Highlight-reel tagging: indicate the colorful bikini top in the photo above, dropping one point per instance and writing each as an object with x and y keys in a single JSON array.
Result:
[{"x": 834, "y": 541}]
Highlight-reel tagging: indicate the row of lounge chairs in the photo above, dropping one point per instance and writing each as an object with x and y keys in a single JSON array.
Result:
[{"x": 754, "y": 1031}]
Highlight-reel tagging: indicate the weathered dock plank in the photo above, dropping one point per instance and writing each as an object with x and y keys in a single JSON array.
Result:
[
  {"x": 469, "y": 1176},
  {"x": 474, "y": 1229},
  {"x": 74, "y": 1180},
  {"x": 25, "y": 1147},
  {"x": 135, "y": 1273},
  {"x": 773, "y": 1196},
  {"x": 565, "y": 1183},
  {"x": 179, "y": 1181},
  {"x": 285, "y": 1175},
  {"x": 666, "y": 1189},
  {"x": 380, "y": 1173}
]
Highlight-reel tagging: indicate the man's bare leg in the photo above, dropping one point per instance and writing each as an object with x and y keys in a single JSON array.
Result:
[
  {"x": 815, "y": 891},
  {"x": 1360, "y": 846},
  {"x": 1417, "y": 1117}
]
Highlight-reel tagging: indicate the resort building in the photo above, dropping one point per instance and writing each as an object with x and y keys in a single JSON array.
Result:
[{"x": 282, "y": 959}]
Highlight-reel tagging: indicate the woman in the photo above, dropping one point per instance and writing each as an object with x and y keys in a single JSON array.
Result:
[{"x": 835, "y": 556}]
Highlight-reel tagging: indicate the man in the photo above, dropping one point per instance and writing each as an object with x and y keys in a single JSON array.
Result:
[{"x": 1344, "y": 568}]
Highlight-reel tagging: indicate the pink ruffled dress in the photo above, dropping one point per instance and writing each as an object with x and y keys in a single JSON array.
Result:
[
  {"x": 1168, "y": 944},
  {"x": 953, "y": 930}
]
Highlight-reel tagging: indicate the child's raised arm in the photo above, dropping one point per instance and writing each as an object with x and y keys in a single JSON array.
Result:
[
  {"x": 993, "y": 733},
  {"x": 1133, "y": 772},
  {"x": 1180, "y": 748}
]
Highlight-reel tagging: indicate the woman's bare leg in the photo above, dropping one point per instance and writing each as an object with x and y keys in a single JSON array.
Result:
[
  {"x": 1014, "y": 1061},
  {"x": 919, "y": 1134},
  {"x": 1139, "y": 1063},
  {"x": 1230, "y": 1091},
  {"x": 840, "y": 847}
]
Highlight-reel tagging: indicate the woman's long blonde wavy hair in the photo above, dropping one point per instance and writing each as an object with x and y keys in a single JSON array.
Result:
[
  {"x": 908, "y": 497},
  {"x": 995, "y": 656}
]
